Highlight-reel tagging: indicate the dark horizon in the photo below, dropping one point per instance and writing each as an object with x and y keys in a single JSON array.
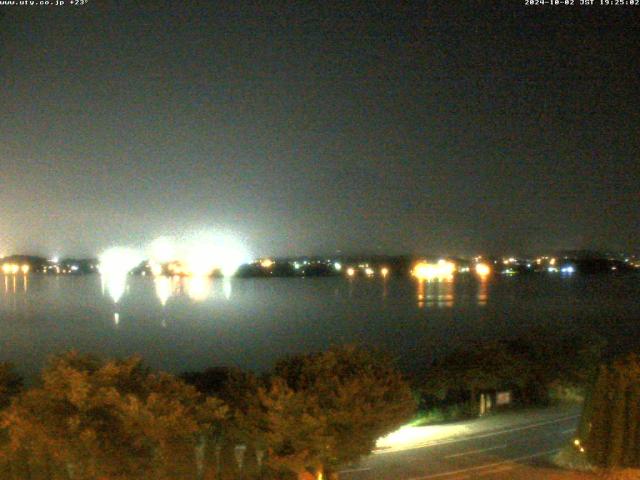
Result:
[
  {"x": 360, "y": 126},
  {"x": 570, "y": 253}
]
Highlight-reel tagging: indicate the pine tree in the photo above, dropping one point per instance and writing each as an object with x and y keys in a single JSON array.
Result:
[{"x": 609, "y": 426}]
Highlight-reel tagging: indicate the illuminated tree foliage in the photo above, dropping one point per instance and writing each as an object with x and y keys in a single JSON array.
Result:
[
  {"x": 96, "y": 419},
  {"x": 90, "y": 418},
  {"x": 239, "y": 391},
  {"x": 610, "y": 426},
  {"x": 323, "y": 410}
]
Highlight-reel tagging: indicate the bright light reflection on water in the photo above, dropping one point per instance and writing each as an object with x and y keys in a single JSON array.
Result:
[
  {"x": 226, "y": 288},
  {"x": 180, "y": 324},
  {"x": 164, "y": 289},
  {"x": 434, "y": 293},
  {"x": 198, "y": 288},
  {"x": 115, "y": 284}
]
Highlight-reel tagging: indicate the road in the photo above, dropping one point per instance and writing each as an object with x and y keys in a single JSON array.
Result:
[{"x": 495, "y": 447}]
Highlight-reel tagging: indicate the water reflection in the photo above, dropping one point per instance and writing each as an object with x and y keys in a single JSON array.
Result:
[
  {"x": 438, "y": 293},
  {"x": 483, "y": 291},
  {"x": 115, "y": 285},
  {"x": 226, "y": 288},
  {"x": 420, "y": 293},
  {"x": 164, "y": 289},
  {"x": 198, "y": 288}
]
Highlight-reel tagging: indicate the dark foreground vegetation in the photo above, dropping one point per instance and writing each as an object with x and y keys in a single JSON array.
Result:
[
  {"x": 90, "y": 418},
  {"x": 608, "y": 438},
  {"x": 609, "y": 433},
  {"x": 537, "y": 369}
]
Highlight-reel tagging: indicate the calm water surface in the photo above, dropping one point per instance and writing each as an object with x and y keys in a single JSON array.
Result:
[{"x": 191, "y": 324}]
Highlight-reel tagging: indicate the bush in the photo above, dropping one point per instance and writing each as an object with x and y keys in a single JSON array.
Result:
[
  {"x": 563, "y": 393},
  {"x": 429, "y": 417},
  {"x": 571, "y": 458}
]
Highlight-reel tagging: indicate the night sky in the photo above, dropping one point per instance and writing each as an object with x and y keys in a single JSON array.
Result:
[{"x": 317, "y": 127}]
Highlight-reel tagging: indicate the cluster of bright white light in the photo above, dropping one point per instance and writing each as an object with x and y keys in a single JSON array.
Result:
[
  {"x": 115, "y": 265},
  {"x": 199, "y": 255},
  {"x": 119, "y": 261},
  {"x": 442, "y": 270}
]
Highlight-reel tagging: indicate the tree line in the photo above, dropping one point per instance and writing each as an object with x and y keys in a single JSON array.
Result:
[
  {"x": 94, "y": 418},
  {"x": 537, "y": 369}
]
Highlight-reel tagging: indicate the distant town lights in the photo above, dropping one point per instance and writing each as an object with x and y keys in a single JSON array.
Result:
[
  {"x": 432, "y": 271},
  {"x": 483, "y": 269},
  {"x": 266, "y": 263}
]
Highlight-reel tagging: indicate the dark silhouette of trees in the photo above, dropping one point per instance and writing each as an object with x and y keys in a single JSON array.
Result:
[
  {"x": 241, "y": 427},
  {"x": 529, "y": 366},
  {"x": 10, "y": 384},
  {"x": 609, "y": 431}
]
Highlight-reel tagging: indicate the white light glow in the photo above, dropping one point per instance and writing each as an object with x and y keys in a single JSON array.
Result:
[
  {"x": 409, "y": 437},
  {"x": 163, "y": 289},
  {"x": 198, "y": 288},
  {"x": 208, "y": 253},
  {"x": 162, "y": 250},
  {"x": 115, "y": 265},
  {"x": 227, "y": 288}
]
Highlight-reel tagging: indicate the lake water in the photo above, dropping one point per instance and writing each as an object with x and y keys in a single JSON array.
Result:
[{"x": 187, "y": 324}]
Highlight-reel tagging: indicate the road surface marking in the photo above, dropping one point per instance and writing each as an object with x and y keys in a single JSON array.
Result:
[
  {"x": 473, "y": 437},
  {"x": 473, "y": 452},
  {"x": 488, "y": 465},
  {"x": 505, "y": 468},
  {"x": 568, "y": 430},
  {"x": 353, "y": 470}
]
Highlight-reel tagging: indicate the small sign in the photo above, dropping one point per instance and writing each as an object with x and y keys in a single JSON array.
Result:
[{"x": 503, "y": 398}]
